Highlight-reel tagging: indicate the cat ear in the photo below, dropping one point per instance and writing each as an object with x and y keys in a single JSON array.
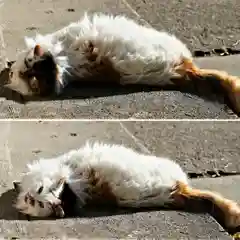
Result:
[
  {"x": 30, "y": 42},
  {"x": 38, "y": 51},
  {"x": 17, "y": 186}
]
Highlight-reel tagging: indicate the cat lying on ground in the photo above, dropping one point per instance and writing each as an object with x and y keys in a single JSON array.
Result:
[
  {"x": 115, "y": 47},
  {"x": 113, "y": 174}
]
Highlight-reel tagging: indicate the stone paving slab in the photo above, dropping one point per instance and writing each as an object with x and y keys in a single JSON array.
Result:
[
  {"x": 157, "y": 225},
  {"x": 30, "y": 17},
  {"x": 227, "y": 186},
  {"x": 197, "y": 146},
  {"x": 92, "y": 102},
  {"x": 229, "y": 64},
  {"x": 21, "y": 142},
  {"x": 200, "y": 24},
  {"x": 142, "y": 105}
]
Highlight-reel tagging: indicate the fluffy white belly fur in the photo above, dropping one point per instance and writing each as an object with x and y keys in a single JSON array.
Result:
[
  {"x": 131, "y": 176},
  {"x": 115, "y": 173},
  {"x": 140, "y": 54}
]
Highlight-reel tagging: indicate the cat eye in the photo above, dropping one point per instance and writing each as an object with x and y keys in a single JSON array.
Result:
[{"x": 40, "y": 190}]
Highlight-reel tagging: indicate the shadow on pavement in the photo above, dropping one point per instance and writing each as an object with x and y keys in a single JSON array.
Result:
[
  {"x": 72, "y": 210},
  {"x": 95, "y": 208},
  {"x": 208, "y": 89},
  {"x": 8, "y": 212}
]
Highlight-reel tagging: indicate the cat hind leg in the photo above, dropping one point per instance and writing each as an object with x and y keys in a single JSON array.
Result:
[
  {"x": 220, "y": 81},
  {"x": 226, "y": 210}
]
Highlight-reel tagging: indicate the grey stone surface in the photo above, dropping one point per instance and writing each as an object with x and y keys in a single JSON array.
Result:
[
  {"x": 30, "y": 17},
  {"x": 25, "y": 17},
  {"x": 227, "y": 63},
  {"x": 201, "y": 24},
  {"x": 157, "y": 225},
  {"x": 141, "y": 105},
  {"x": 227, "y": 186},
  {"x": 22, "y": 142},
  {"x": 197, "y": 146}
]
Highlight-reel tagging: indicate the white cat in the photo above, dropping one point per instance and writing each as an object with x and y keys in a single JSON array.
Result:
[
  {"x": 117, "y": 48},
  {"x": 113, "y": 173}
]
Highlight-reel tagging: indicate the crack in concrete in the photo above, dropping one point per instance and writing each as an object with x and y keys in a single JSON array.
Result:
[
  {"x": 3, "y": 56},
  {"x": 135, "y": 139},
  {"x": 212, "y": 174},
  {"x": 125, "y": 2},
  {"x": 8, "y": 149},
  {"x": 221, "y": 52}
]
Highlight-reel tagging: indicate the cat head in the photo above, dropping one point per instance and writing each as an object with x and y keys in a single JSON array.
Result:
[
  {"x": 39, "y": 191},
  {"x": 35, "y": 71}
]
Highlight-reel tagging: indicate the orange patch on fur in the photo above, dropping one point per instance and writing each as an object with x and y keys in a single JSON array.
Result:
[
  {"x": 99, "y": 69},
  {"x": 38, "y": 51},
  {"x": 226, "y": 211},
  {"x": 100, "y": 192}
]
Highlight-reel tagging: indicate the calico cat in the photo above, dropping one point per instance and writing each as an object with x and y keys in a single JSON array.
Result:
[
  {"x": 117, "y": 48},
  {"x": 114, "y": 174}
]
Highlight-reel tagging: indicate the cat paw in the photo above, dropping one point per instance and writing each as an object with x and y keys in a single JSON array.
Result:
[
  {"x": 180, "y": 188},
  {"x": 58, "y": 211},
  {"x": 236, "y": 236},
  {"x": 234, "y": 95},
  {"x": 233, "y": 218},
  {"x": 178, "y": 191}
]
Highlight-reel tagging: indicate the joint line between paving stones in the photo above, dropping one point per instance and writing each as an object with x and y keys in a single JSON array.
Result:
[
  {"x": 136, "y": 140},
  {"x": 125, "y": 2},
  {"x": 7, "y": 164},
  {"x": 3, "y": 55},
  {"x": 8, "y": 149}
]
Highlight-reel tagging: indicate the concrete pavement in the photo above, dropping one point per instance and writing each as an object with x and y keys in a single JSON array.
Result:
[
  {"x": 22, "y": 142},
  {"x": 200, "y": 25}
]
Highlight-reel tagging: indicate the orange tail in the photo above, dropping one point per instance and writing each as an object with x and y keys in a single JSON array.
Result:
[
  {"x": 226, "y": 211},
  {"x": 221, "y": 80}
]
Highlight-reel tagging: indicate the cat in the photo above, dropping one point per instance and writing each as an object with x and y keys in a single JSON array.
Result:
[
  {"x": 117, "y": 48},
  {"x": 115, "y": 174}
]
